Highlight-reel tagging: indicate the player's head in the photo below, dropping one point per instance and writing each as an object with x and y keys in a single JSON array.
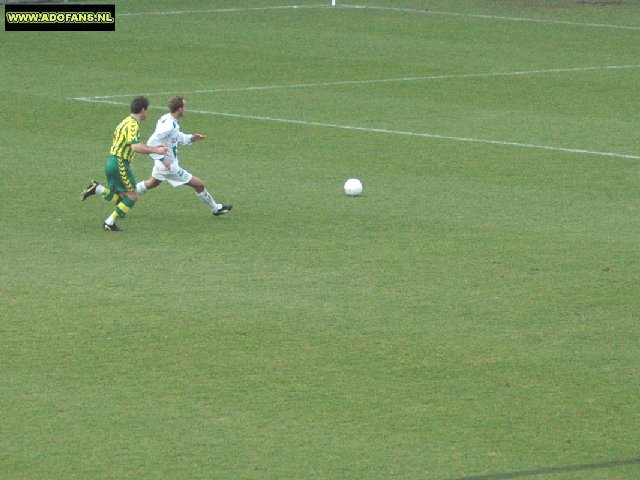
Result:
[
  {"x": 176, "y": 106},
  {"x": 139, "y": 106}
]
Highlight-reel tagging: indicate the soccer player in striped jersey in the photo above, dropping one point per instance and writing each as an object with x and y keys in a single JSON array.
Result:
[
  {"x": 121, "y": 189},
  {"x": 167, "y": 168}
]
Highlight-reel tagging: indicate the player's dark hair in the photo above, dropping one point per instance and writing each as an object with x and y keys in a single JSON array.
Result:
[
  {"x": 176, "y": 103},
  {"x": 139, "y": 103}
]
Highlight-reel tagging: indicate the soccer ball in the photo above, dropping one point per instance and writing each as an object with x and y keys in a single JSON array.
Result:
[{"x": 353, "y": 187}]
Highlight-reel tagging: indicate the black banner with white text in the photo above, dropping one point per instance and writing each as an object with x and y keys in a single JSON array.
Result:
[{"x": 63, "y": 17}]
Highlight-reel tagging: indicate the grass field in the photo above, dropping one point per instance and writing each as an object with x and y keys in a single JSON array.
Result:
[{"x": 473, "y": 315}]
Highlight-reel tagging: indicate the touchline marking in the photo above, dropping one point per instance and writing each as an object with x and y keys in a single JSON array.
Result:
[
  {"x": 221, "y": 10},
  {"x": 382, "y": 80},
  {"x": 391, "y": 9},
  {"x": 387, "y": 131},
  {"x": 493, "y": 17}
]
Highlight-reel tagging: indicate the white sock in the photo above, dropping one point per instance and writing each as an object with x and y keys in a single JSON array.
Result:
[
  {"x": 100, "y": 189},
  {"x": 140, "y": 188},
  {"x": 208, "y": 199}
]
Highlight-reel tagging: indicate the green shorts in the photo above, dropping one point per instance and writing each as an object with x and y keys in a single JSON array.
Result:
[{"x": 119, "y": 176}]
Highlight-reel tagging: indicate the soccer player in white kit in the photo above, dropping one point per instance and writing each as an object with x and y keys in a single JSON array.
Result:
[{"x": 167, "y": 167}]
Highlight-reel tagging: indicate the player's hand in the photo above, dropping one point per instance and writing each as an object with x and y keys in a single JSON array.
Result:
[
  {"x": 197, "y": 136},
  {"x": 161, "y": 150},
  {"x": 167, "y": 165}
]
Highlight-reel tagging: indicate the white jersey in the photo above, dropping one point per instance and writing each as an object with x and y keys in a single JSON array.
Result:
[{"x": 168, "y": 133}]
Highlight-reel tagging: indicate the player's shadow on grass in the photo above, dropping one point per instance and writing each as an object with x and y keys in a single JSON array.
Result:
[{"x": 551, "y": 470}]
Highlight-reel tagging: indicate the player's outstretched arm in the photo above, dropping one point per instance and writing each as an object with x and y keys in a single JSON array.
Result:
[{"x": 143, "y": 148}]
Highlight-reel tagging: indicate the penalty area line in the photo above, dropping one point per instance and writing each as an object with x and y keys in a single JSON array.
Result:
[
  {"x": 387, "y": 131},
  {"x": 414, "y": 78},
  {"x": 421, "y": 135}
]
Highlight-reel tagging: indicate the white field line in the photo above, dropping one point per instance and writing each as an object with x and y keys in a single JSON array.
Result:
[
  {"x": 104, "y": 99},
  {"x": 493, "y": 17},
  {"x": 374, "y": 81},
  {"x": 389, "y": 131},
  {"x": 222, "y": 10},
  {"x": 390, "y": 9}
]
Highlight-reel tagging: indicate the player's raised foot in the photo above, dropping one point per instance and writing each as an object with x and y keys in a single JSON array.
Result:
[
  {"x": 90, "y": 190},
  {"x": 222, "y": 210},
  {"x": 112, "y": 228}
]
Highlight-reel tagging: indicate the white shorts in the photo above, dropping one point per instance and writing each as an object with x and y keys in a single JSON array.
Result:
[{"x": 176, "y": 176}]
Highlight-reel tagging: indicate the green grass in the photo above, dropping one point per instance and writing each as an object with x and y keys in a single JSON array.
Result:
[{"x": 473, "y": 315}]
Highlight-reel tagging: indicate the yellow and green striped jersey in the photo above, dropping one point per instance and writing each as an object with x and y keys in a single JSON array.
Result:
[{"x": 126, "y": 133}]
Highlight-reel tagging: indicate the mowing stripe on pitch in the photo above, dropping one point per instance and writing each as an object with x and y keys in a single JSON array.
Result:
[
  {"x": 388, "y": 9},
  {"x": 386, "y": 131},
  {"x": 492, "y": 17},
  {"x": 378, "y": 80},
  {"x": 223, "y": 10}
]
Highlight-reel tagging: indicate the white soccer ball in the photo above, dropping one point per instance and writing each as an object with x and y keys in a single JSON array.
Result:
[{"x": 353, "y": 187}]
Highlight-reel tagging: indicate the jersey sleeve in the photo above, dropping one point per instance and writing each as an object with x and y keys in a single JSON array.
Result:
[{"x": 184, "y": 138}]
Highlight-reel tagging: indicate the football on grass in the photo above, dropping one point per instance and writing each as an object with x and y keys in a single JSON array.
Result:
[{"x": 353, "y": 187}]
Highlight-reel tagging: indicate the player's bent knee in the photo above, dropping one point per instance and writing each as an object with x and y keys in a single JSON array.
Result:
[{"x": 197, "y": 184}]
